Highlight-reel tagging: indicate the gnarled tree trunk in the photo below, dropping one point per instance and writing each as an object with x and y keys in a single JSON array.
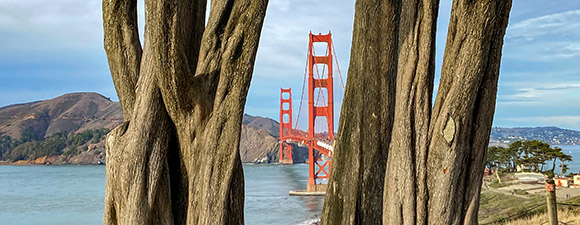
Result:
[
  {"x": 434, "y": 159},
  {"x": 175, "y": 159}
]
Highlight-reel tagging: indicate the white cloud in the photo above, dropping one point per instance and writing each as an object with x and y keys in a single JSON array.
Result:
[
  {"x": 561, "y": 24},
  {"x": 538, "y": 93},
  {"x": 282, "y": 5},
  {"x": 548, "y": 38},
  {"x": 544, "y": 50}
]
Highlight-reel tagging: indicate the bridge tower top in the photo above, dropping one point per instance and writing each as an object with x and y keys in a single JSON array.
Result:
[{"x": 317, "y": 81}]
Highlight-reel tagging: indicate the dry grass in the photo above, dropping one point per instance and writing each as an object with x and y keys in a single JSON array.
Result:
[
  {"x": 564, "y": 217},
  {"x": 497, "y": 207}
]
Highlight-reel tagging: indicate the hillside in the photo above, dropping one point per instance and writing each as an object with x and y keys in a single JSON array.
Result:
[
  {"x": 67, "y": 123},
  {"x": 263, "y": 123},
  {"x": 550, "y": 135},
  {"x": 72, "y": 113},
  {"x": 71, "y": 127}
]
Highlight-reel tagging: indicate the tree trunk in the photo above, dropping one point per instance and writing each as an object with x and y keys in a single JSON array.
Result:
[
  {"x": 435, "y": 157},
  {"x": 175, "y": 159},
  {"x": 406, "y": 177},
  {"x": 464, "y": 108},
  {"x": 355, "y": 190}
]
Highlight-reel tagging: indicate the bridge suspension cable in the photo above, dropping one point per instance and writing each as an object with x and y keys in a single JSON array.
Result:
[
  {"x": 338, "y": 67},
  {"x": 303, "y": 87}
]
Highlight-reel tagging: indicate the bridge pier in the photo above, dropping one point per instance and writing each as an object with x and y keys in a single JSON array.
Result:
[
  {"x": 317, "y": 188},
  {"x": 285, "y": 153}
]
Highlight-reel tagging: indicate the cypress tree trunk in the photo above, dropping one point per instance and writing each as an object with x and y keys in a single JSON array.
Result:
[
  {"x": 463, "y": 111},
  {"x": 405, "y": 191},
  {"x": 175, "y": 159},
  {"x": 355, "y": 189},
  {"x": 434, "y": 158}
]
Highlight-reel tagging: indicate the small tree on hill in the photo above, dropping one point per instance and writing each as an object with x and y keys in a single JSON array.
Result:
[{"x": 529, "y": 155}]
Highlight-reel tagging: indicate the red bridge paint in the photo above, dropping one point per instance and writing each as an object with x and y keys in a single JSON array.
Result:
[
  {"x": 286, "y": 126},
  {"x": 320, "y": 147}
]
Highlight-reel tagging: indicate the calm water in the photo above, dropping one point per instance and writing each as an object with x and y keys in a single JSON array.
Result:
[
  {"x": 574, "y": 151},
  {"x": 52, "y": 195}
]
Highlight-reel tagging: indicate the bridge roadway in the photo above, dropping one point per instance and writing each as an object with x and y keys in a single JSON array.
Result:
[{"x": 319, "y": 145}]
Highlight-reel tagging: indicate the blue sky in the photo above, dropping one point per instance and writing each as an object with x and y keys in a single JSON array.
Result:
[{"x": 48, "y": 48}]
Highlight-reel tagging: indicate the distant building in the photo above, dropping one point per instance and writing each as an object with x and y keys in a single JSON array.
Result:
[
  {"x": 562, "y": 182},
  {"x": 576, "y": 179}
]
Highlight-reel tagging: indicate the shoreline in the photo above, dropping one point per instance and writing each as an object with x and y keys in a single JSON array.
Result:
[{"x": 8, "y": 163}]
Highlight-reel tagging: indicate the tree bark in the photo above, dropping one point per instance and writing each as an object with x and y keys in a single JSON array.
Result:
[
  {"x": 355, "y": 189},
  {"x": 406, "y": 177},
  {"x": 435, "y": 157},
  {"x": 175, "y": 160},
  {"x": 123, "y": 49},
  {"x": 463, "y": 111}
]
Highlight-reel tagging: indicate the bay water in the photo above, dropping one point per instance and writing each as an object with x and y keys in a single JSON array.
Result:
[
  {"x": 59, "y": 195},
  {"x": 55, "y": 195}
]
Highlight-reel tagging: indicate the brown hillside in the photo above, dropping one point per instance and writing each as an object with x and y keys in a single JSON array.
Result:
[
  {"x": 73, "y": 112},
  {"x": 263, "y": 123},
  {"x": 77, "y": 112}
]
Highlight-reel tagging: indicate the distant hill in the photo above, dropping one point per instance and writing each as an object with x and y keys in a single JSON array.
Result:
[
  {"x": 73, "y": 113},
  {"x": 29, "y": 127},
  {"x": 259, "y": 141},
  {"x": 270, "y": 125},
  {"x": 550, "y": 135}
]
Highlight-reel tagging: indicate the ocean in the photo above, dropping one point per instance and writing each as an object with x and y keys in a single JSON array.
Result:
[{"x": 59, "y": 195}]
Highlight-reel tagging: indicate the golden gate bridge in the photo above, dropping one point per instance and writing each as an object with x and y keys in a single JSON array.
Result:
[{"x": 319, "y": 144}]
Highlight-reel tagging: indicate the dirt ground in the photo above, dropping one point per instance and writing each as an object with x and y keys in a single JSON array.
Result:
[
  {"x": 512, "y": 183},
  {"x": 561, "y": 192}
]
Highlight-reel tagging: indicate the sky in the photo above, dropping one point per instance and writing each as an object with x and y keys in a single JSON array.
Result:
[{"x": 49, "y": 48}]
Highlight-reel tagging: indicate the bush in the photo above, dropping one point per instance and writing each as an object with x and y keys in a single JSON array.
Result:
[
  {"x": 520, "y": 192},
  {"x": 61, "y": 143}
]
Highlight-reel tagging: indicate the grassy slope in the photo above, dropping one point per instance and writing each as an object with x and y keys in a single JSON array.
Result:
[
  {"x": 499, "y": 208},
  {"x": 564, "y": 217},
  {"x": 496, "y": 207}
]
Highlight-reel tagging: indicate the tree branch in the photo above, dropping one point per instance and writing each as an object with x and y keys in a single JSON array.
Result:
[
  {"x": 172, "y": 50},
  {"x": 123, "y": 49},
  {"x": 226, "y": 62}
]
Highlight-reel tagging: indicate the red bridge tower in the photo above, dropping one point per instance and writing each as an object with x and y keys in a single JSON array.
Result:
[
  {"x": 320, "y": 145},
  {"x": 285, "y": 125},
  {"x": 315, "y": 111}
]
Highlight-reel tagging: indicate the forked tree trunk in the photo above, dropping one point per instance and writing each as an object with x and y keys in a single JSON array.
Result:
[
  {"x": 175, "y": 159},
  {"x": 435, "y": 159}
]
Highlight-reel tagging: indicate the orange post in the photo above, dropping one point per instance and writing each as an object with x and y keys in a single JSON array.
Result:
[
  {"x": 285, "y": 126},
  {"x": 315, "y": 111}
]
